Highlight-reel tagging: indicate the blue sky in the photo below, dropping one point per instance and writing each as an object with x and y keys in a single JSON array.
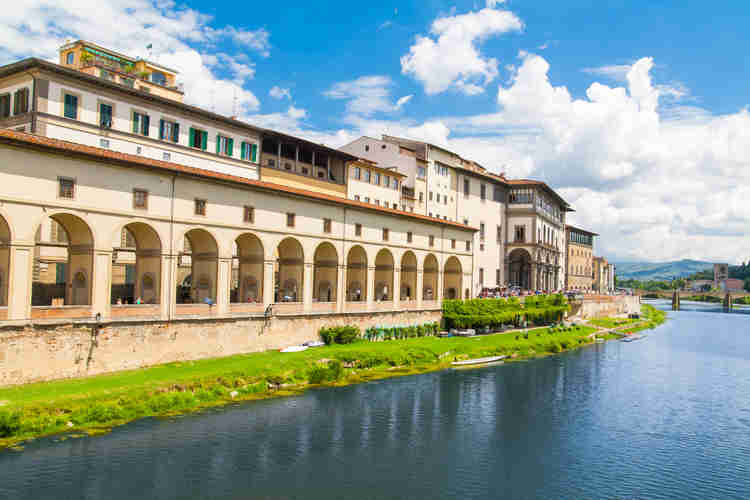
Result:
[{"x": 635, "y": 111}]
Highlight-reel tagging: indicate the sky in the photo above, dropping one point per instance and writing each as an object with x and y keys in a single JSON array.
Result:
[{"x": 636, "y": 112}]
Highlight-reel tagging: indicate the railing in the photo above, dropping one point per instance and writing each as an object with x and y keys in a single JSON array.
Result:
[
  {"x": 430, "y": 304},
  {"x": 59, "y": 312},
  {"x": 386, "y": 305},
  {"x": 134, "y": 310},
  {"x": 247, "y": 308},
  {"x": 407, "y": 304}
]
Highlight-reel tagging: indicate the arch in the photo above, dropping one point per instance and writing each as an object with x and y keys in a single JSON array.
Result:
[
  {"x": 356, "y": 274},
  {"x": 201, "y": 252},
  {"x": 430, "y": 271},
  {"x": 384, "y": 275},
  {"x": 247, "y": 269},
  {"x": 290, "y": 270},
  {"x": 408, "y": 288},
  {"x": 136, "y": 265},
  {"x": 5, "y": 239},
  {"x": 519, "y": 266},
  {"x": 453, "y": 277},
  {"x": 325, "y": 273},
  {"x": 63, "y": 261}
]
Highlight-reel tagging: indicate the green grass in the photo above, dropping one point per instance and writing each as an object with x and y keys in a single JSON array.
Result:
[
  {"x": 612, "y": 322},
  {"x": 104, "y": 401}
]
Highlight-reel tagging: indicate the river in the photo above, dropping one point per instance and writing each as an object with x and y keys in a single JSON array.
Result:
[{"x": 664, "y": 417}]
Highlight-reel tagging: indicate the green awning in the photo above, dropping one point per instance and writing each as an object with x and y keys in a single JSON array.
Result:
[{"x": 104, "y": 54}]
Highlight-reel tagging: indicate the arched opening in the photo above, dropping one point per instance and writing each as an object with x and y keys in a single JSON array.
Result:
[
  {"x": 408, "y": 276},
  {"x": 519, "y": 266},
  {"x": 4, "y": 261},
  {"x": 63, "y": 262},
  {"x": 452, "y": 276},
  {"x": 201, "y": 255},
  {"x": 430, "y": 278},
  {"x": 356, "y": 275},
  {"x": 384, "y": 275},
  {"x": 289, "y": 271},
  {"x": 325, "y": 273},
  {"x": 136, "y": 265},
  {"x": 247, "y": 270}
]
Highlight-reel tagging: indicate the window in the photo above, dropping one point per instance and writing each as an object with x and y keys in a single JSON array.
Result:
[
  {"x": 382, "y": 146},
  {"x": 481, "y": 231},
  {"x": 499, "y": 234},
  {"x": 377, "y": 179},
  {"x": 421, "y": 197},
  {"x": 468, "y": 246},
  {"x": 497, "y": 194},
  {"x": 367, "y": 148},
  {"x": 290, "y": 219},
  {"x": 483, "y": 192},
  {"x": 104, "y": 143},
  {"x": 387, "y": 181},
  {"x": 377, "y": 202},
  {"x": 169, "y": 131},
  {"x": 128, "y": 82},
  {"x": 198, "y": 139},
  {"x": 200, "y": 207},
  {"x": 249, "y": 214},
  {"x": 430, "y": 195},
  {"x": 21, "y": 101},
  {"x": 430, "y": 214},
  {"x": 249, "y": 151},
  {"x": 420, "y": 172},
  {"x": 140, "y": 199},
  {"x": 367, "y": 176},
  {"x": 466, "y": 222},
  {"x": 395, "y": 184},
  {"x": 67, "y": 188},
  {"x": 466, "y": 188},
  {"x": 224, "y": 145},
  {"x": 105, "y": 115},
  {"x": 445, "y": 199},
  {"x": 481, "y": 276},
  {"x": 326, "y": 225},
  {"x": 385, "y": 234},
  {"x": 357, "y": 173},
  {"x": 141, "y": 123},
  {"x": 520, "y": 234},
  {"x": 4, "y": 106},
  {"x": 481, "y": 247},
  {"x": 367, "y": 199},
  {"x": 271, "y": 162},
  {"x": 71, "y": 106},
  {"x": 166, "y": 156},
  {"x": 432, "y": 240},
  {"x": 453, "y": 243},
  {"x": 357, "y": 229},
  {"x": 158, "y": 78},
  {"x": 70, "y": 57},
  {"x": 409, "y": 236}
]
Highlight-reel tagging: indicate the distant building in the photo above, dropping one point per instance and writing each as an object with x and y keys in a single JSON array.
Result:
[
  {"x": 579, "y": 251},
  {"x": 699, "y": 285},
  {"x": 731, "y": 285},
  {"x": 721, "y": 272}
]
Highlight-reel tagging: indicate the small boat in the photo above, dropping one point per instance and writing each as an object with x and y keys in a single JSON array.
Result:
[
  {"x": 314, "y": 343},
  {"x": 599, "y": 341},
  {"x": 633, "y": 338},
  {"x": 294, "y": 348},
  {"x": 478, "y": 361}
]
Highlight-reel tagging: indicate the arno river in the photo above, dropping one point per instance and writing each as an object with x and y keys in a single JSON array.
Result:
[{"x": 664, "y": 417}]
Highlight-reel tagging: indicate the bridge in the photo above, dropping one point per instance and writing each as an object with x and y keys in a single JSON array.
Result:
[{"x": 727, "y": 299}]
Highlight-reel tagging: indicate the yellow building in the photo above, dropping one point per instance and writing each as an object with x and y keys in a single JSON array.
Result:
[{"x": 580, "y": 259}]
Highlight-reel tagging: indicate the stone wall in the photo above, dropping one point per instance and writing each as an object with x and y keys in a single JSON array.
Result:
[
  {"x": 600, "y": 306},
  {"x": 35, "y": 353}
]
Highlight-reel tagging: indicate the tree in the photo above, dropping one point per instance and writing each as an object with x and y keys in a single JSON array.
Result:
[{"x": 747, "y": 284}]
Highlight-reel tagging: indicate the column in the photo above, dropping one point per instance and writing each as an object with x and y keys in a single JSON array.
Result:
[
  {"x": 168, "y": 286},
  {"x": 420, "y": 286},
  {"x": 341, "y": 288},
  {"x": 532, "y": 277},
  {"x": 269, "y": 284},
  {"x": 223, "y": 278},
  {"x": 370, "y": 285},
  {"x": 101, "y": 283},
  {"x": 308, "y": 284},
  {"x": 19, "y": 276},
  {"x": 396, "y": 287},
  {"x": 278, "y": 156},
  {"x": 440, "y": 284}
]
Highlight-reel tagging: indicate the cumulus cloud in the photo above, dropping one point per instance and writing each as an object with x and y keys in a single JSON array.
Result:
[
  {"x": 367, "y": 95},
  {"x": 181, "y": 38},
  {"x": 450, "y": 58},
  {"x": 279, "y": 93}
]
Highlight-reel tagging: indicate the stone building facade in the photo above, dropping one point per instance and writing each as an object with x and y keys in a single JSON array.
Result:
[{"x": 579, "y": 245}]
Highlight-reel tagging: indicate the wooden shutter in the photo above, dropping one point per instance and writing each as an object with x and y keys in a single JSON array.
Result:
[
  {"x": 191, "y": 138},
  {"x": 218, "y": 144},
  {"x": 145, "y": 126},
  {"x": 16, "y": 101},
  {"x": 204, "y": 140},
  {"x": 243, "y": 150},
  {"x": 161, "y": 129},
  {"x": 136, "y": 122},
  {"x": 176, "y": 132},
  {"x": 254, "y": 152},
  {"x": 230, "y": 146}
]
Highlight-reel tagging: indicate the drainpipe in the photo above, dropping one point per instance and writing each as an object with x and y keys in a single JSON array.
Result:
[{"x": 33, "y": 105}]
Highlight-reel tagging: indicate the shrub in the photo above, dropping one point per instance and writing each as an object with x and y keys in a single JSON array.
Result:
[
  {"x": 10, "y": 423},
  {"x": 331, "y": 372},
  {"x": 344, "y": 334}
]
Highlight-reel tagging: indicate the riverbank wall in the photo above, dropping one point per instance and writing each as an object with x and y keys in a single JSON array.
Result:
[
  {"x": 65, "y": 349},
  {"x": 599, "y": 306}
]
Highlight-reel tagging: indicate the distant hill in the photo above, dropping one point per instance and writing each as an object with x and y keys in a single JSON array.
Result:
[{"x": 660, "y": 270}]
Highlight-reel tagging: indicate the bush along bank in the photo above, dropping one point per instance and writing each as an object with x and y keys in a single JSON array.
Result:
[
  {"x": 495, "y": 313},
  {"x": 104, "y": 401}
]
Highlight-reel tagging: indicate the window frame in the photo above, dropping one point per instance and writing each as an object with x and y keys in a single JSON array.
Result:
[
  {"x": 357, "y": 229},
  {"x": 174, "y": 130},
  {"x": 327, "y": 225},
  {"x": 21, "y": 91},
  {"x": 143, "y": 127},
  {"x": 200, "y": 206},
  {"x": 9, "y": 109},
  {"x": 78, "y": 98},
  {"x": 101, "y": 103},
  {"x": 291, "y": 219},
  {"x": 144, "y": 192},
  {"x": 409, "y": 236},
  {"x": 248, "y": 214},
  {"x": 74, "y": 190}
]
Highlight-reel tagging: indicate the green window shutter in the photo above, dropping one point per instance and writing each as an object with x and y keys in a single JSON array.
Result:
[
  {"x": 161, "y": 129},
  {"x": 176, "y": 133},
  {"x": 254, "y": 152},
  {"x": 230, "y": 146},
  {"x": 243, "y": 150},
  {"x": 218, "y": 143},
  {"x": 191, "y": 138},
  {"x": 204, "y": 140},
  {"x": 16, "y": 101},
  {"x": 136, "y": 117},
  {"x": 146, "y": 123},
  {"x": 71, "y": 106}
]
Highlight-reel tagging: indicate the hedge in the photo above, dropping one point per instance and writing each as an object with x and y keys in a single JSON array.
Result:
[{"x": 479, "y": 313}]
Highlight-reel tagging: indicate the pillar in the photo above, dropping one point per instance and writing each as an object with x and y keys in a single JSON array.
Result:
[
  {"x": 370, "y": 287},
  {"x": 396, "y": 294},
  {"x": 269, "y": 285},
  {"x": 223, "y": 279},
  {"x": 420, "y": 286},
  {"x": 340, "y": 288},
  {"x": 19, "y": 276},
  {"x": 533, "y": 277},
  {"x": 168, "y": 286},
  {"x": 439, "y": 293},
  {"x": 307, "y": 286},
  {"x": 101, "y": 282}
]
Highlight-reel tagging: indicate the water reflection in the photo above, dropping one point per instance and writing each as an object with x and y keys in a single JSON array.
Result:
[{"x": 661, "y": 418}]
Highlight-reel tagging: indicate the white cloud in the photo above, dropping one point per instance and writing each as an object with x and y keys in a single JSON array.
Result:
[
  {"x": 181, "y": 38},
  {"x": 290, "y": 121},
  {"x": 616, "y": 72},
  {"x": 452, "y": 59},
  {"x": 494, "y": 3},
  {"x": 279, "y": 93},
  {"x": 367, "y": 95}
]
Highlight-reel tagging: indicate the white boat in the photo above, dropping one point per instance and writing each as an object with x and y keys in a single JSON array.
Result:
[
  {"x": 633, "y": 338},
  {"x": 314, "y": 343},
  {"x": 294, "y": 348},
  {"x": 478, "y": 361}
]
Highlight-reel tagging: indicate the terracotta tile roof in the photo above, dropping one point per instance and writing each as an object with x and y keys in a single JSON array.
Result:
[{"x": 70, "y": 148}]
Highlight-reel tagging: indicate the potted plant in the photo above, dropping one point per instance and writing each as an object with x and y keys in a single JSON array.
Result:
[{"x": 86, "y": 57}]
